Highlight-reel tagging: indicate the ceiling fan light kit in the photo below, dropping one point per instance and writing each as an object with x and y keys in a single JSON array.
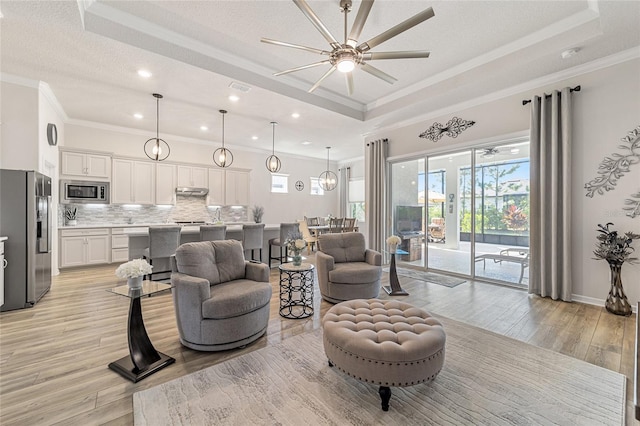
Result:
[
  {"x": 155, "y": 148},
  {"x": 348, "y": 56},
  {"x": 222, "y": 157}
]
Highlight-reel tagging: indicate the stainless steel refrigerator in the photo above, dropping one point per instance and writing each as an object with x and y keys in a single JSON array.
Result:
[{"x": 25, "y": 217}]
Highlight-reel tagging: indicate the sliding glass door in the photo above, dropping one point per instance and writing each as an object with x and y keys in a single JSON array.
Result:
[{"x": 453, "y": 220}]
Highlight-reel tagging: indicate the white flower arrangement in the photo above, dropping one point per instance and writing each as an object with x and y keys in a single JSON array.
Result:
[
  {"x": 394, "y": 240},
  {"x": 133, "y": 268}
]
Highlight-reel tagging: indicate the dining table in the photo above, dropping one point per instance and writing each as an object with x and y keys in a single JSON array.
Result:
[{"x": 322, "y": 229}]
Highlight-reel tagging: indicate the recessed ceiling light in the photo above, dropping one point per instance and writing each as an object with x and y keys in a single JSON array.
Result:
[
  {"x": 138, "y": 116},
  {"x": 295, "y": 115},
  {"x": 204, "y": 128},
  {"x": 306, "y": 143},
  {"x": 144, "y": 73},
  {"x": 255, "y": 138},
  {"x": 234, "y": 98}
]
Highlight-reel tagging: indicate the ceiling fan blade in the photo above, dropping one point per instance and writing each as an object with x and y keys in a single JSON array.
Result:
[
  {"x": 304, "y": 67},
  {"x": 376, "y": 72},
  {"x": 392, "y": 32},
  {"x": 406, "y": 54},
  {"x": 349, "y": 77},
  {"x": 308, "y": 12},
  {"x": 358, "y": 23},
  {"x": 326, "y": 74},
  {"x": 295, "y": 46}
]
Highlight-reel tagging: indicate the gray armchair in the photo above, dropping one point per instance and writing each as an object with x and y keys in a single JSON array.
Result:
[
  {"x": 346, "y": 268},
  {"x": 221, "y": 300}
]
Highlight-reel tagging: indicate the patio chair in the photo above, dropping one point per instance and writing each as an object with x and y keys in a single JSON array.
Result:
[{"x": 437, "y": 230}]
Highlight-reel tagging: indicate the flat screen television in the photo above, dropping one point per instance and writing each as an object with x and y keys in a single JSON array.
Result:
[{"x": 408, "y": 220}]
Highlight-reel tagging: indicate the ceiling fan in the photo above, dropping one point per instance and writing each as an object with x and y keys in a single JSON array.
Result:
[{"x": 345, "y": 57}]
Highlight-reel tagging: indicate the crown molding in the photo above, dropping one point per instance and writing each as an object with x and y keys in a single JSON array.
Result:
[
  {"x": 20, "y": 81},
  {"x": 520, "y": 89},
  {"x": 53, "y": 101}
]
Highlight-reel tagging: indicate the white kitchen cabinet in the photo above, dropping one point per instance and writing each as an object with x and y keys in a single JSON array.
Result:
[
  {"x": 119, "y": 245},
  {"x": 165, "y": 184},
  {"x": 216, "y": 188},
  {"x": 133, "y": 182},
  {"x": 86, "y": 165},
  {"x": 192, "y": 176},
  {"x": 89, "y": 246},
  {"x": 236, "y": 188}
]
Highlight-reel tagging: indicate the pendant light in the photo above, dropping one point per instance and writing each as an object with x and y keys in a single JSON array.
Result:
[
  {"x": 328, "y": 179},
  {"x": 222, "y": 156},
  {"x": 155, "y": 148},
  {"x": 273, "y": 162}
]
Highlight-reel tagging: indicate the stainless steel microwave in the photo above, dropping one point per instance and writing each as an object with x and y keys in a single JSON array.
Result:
[{"x": 77, "y": 191}]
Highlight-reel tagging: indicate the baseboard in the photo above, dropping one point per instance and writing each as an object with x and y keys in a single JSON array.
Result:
[{"x": 594, "y": 301}]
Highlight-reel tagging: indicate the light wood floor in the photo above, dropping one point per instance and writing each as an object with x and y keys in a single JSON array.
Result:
[{"x": 53, "y": 357}]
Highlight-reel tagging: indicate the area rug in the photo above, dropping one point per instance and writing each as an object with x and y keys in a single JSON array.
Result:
[
  {"x": 487, "y": 379},
  {"x": 428, "y": 276}
]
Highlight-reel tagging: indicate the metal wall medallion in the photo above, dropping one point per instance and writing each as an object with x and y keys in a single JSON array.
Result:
[
  {"x": 299, "y": 185},
  {"x": 453, "y": 128},
  {"x": 613, "y": 168}
]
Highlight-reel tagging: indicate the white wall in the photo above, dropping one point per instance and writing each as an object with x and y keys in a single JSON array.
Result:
[
  {"x": 278, "y": 207},
  {"x": 19, "y": 131},
  {"x": 604, "y": 111}
]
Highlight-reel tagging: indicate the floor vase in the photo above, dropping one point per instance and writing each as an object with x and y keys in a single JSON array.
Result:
[{"x": 617, "y": 302}]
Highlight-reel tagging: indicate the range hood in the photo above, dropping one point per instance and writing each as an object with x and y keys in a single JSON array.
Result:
[{"x": 189, "y": 190}]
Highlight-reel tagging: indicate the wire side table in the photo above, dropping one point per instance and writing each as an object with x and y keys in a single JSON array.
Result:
[{"x": 296, "y": 290}]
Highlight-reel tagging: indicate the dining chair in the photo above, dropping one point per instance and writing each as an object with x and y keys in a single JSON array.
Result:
[
  {"x": 306, "y": 234},
  {"x": 212, "y": 232},
  {"x": 335, "y": 224},
  {"x": 163, "y": 243},
  {"x": 252, "y": 237},
  {"x": 312, "y": 221},
  {"x": 349, "y": 224}
]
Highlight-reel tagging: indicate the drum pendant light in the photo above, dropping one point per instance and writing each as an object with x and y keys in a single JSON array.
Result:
[
  {"x": 155, "y": 148},
  {"x": 222, "y": 156},
  {"x": 328, "y": 179},
  {"x": 273, "y": 162}
]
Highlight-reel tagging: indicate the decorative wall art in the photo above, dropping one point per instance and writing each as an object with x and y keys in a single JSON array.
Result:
[
  {"x": 611, "y": 169},
  {"x": 299, "y": 185},
  {"x": 453, "y": 128}
]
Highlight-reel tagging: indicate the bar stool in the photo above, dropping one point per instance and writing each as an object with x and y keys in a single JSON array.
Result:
[
  {"x": 286, "y": 229},
  {"x": 253, "y": 237},
  {"x": 212, "y": 232},
  {"x": 163, "y": 242}
]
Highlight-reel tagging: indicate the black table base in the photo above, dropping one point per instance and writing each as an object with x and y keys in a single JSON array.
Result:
[
  {"x": 143, "y": 359},
  {"x": 296, "y": 293},
  {"x": 394, "y": 289}
]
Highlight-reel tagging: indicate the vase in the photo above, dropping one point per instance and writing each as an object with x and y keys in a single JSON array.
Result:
[
  {"x": 135, "y": 283},
  {"x": 72, "y": 222},
  {"x": 393, "y": 248},
  {"x": 297, "y": 259},
  {"x": 617, "y": 302}
]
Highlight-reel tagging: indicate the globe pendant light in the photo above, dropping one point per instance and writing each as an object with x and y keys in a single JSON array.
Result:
[
  {"x": 328, "y": 179},
  {"x": 273, "y": 162},
  {"x": 222, "y": 156},
  {"x": 156, "y": 148}
]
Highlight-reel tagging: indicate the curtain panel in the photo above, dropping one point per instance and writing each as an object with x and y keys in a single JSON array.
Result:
[
  {"x": 550, "y": 191},
  {"x": 375, "y": 171},
  {"x": 343, "y": 181}
]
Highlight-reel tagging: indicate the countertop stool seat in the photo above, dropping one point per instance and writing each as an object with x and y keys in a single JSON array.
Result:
[
  {"x": 213, "y": 232},
  {"x": 253, "y": 237},
  {"x": 286, "y": 229},
  {"x": 163, "y": 243},
  {"x": 387, "y": 343}
]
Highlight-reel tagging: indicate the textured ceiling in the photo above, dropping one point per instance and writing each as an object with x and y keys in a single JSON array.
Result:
[{"x": 195, "y": 49}]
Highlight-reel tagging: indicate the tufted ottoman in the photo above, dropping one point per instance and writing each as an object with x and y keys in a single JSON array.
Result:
[{"x": 387, "y": 343}]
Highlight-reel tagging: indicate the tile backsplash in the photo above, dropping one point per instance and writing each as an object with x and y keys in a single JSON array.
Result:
[{"x": 186, "y": 208}]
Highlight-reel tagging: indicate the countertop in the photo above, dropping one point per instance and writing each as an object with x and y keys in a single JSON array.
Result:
[{"x": 144, "y": 225}]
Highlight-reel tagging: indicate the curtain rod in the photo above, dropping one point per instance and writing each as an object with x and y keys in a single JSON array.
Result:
[{"x": 575, "y": 89}]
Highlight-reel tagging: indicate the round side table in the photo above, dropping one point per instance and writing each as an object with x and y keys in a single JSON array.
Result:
[{"x": 296, "y": 290}]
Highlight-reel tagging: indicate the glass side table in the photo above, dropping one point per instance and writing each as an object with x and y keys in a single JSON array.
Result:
[
  {"x": 394, "y": 289},
  {"x": 296, "y": 290},
  {"x": 143, "y": 359}
]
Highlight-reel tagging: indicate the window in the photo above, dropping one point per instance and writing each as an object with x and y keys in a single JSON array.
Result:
[
  {"x": 356, "y": 199},
  {"x": 316, "y": 189},
  {"x": 279, "y": 183}
]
